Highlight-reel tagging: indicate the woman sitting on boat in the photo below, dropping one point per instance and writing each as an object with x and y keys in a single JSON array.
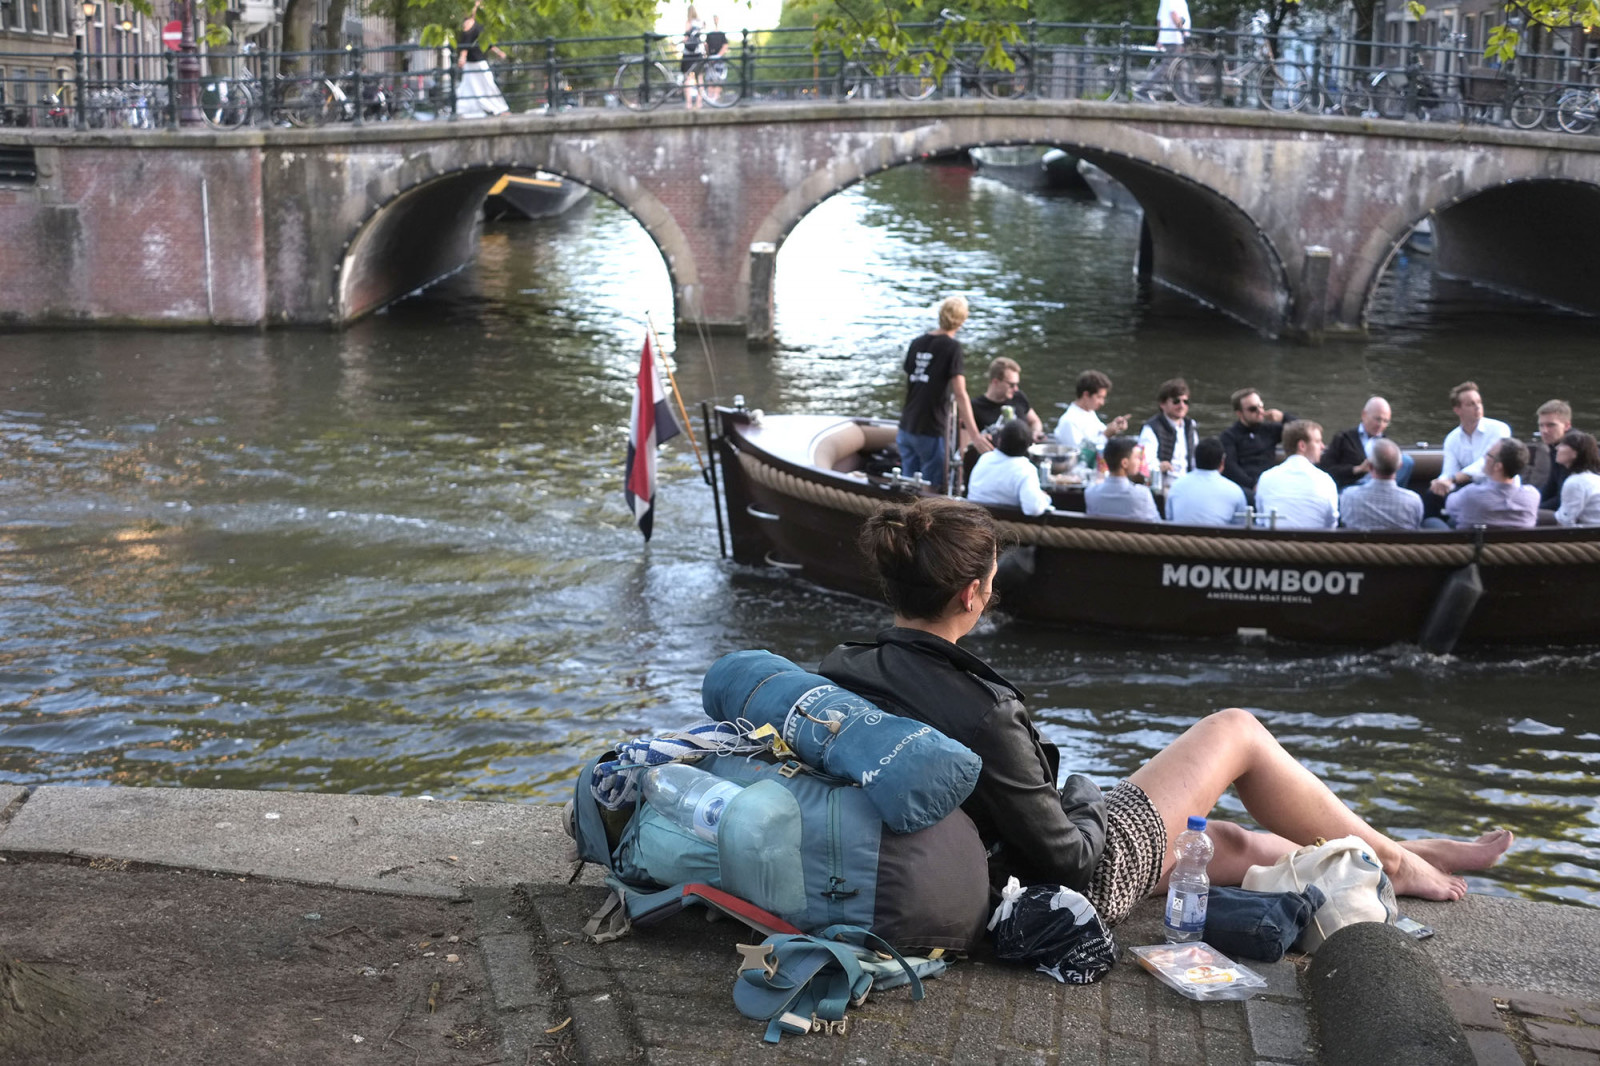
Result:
[
  {"x": 1580, "y": 492},
  {"x": 936, "y": 559}
]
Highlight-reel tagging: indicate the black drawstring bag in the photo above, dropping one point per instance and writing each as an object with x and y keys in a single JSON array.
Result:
[
  {"x": 1056, "y": 929},
  {"x": 1258, "y": 925}
]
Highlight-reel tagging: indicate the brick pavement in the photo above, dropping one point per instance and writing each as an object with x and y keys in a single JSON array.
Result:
[
  {"x": 664, "y": 996},
  {"x": 1506, "y": 1027}
]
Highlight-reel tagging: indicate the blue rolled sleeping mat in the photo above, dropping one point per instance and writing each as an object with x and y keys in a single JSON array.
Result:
[{"x": 913, "y": 774}]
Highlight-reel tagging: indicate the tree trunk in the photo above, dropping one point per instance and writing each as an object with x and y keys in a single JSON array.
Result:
[
  {"x": 333, "y": 38},
  {"x": 44, "y": 1010},
  {"x": 297, "y": 16}
]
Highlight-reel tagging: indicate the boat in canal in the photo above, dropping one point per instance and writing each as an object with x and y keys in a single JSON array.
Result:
[
  {"x": 798, "y": 487},
  {"x": 527, "y": 196},
  {"x": 1035, "y": 167}
]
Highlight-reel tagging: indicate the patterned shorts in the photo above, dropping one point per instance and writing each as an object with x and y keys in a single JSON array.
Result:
[{"x": 1136, "y": 845}]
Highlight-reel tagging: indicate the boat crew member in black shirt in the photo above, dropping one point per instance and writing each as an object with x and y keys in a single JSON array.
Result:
[{"x": 934, "y": 373}]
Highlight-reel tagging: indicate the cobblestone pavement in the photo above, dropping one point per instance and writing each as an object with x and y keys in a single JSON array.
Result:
[
  {"x": 664, "y": 996},
  {"x": 1510, "y": 1028}
]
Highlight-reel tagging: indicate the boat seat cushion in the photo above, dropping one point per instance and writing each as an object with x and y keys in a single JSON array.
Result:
[{"x": 841, "y": 449}]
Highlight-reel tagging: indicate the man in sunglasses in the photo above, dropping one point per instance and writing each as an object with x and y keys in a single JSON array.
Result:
[
  {"x": 1171, "y": 435},
  {"x": 1250, "y": 445}
]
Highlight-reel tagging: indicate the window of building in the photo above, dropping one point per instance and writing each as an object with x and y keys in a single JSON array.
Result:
[
  {"x": 36, "y": 16},
  {"x": 19, "y": 18},
  {"x": 57, "y": 12}
]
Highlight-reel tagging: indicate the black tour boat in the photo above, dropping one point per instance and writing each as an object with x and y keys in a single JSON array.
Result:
[{"x": 797, "y": 488}]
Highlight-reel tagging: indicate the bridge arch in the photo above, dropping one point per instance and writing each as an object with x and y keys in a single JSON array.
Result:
[
  {"x": 1201, "y": 240},
  {"x": 1534, "y": 237},
  {"x": 430, "y": 229}
]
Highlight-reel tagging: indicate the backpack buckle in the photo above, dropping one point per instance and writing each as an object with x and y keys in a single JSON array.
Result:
[
  {"x": 790, "y": 768},
  {"x": 757, "y": 957},
  {"x": 838, "y": 1028}
]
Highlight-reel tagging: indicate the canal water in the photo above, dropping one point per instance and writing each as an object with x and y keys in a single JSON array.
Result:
[{"x": 397, "y": 560}]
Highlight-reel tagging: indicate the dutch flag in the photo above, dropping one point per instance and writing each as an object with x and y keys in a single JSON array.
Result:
[{"x": 652, "y": 424}]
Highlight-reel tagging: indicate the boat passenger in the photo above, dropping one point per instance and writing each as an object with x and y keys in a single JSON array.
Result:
[
  {"x": 1380, "y": 501},
  {"x": 1005, "y": 390},
  {"x": 1116, "y": 496},
  {"x": 1544, "y": 473},
  {"x": 936, "y": 561},
  {"x": 1006, "y": 477},
  {"x": 1349, "y": 455},
  {"x": 1580, "y": 492},
  {"x": 1501, "y": 500},
  {"x": 1467, "y": 444},
  {"x": 933, "y": 373},
  {"x": 1171, "y": 434},
  {"x": 1251, "y": 443},
  {"x": 1079, "y": 423},
  {"x": 1296, "y": 494},
  {"x": 1205, "y": 497}
]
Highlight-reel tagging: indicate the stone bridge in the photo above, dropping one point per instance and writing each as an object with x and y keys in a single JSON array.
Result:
[{"x": 1283, "y": 221}]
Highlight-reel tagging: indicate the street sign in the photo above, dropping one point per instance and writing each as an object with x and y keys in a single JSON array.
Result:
[{"x": 172, "y": 35}]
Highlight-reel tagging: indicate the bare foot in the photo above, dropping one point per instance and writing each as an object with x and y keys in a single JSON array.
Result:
[
  {"x": 1453, "y": 856},
  {"x": 1415, "y": 876}
]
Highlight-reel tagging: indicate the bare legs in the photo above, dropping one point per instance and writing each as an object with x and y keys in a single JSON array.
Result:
[{"x": 1231, "y": 748}]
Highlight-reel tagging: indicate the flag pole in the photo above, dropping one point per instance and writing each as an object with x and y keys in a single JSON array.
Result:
[{"x": 688, "y": 427}]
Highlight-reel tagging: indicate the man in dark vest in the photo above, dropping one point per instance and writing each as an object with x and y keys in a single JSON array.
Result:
[{"x": 1171, "y": 434}]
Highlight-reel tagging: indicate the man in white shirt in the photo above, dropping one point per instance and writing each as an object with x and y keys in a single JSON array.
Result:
[
  {"x": 1116, "y": 496},
  {"x": 1080, "y": 423},
  {"x": 1170, "y": 435},
  {"x": 1303, "y": 496},
  {"x": 1205, "y": 497},
  {"x": 1173, "y": 18},
  {"x": 1005, "y": 477},
  {"x": 1465, "y": 445}
]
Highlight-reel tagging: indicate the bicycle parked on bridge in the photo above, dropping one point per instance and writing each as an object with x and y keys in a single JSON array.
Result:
[
  {"x": 1209, "y": 77},
  {"x": 644, "y": 82}
]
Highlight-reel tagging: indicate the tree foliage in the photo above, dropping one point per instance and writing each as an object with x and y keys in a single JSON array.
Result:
[{"x": 507, "y": 20}]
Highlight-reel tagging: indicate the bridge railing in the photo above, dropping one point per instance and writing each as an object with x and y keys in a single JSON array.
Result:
[{"x": 1290, "y": 71}]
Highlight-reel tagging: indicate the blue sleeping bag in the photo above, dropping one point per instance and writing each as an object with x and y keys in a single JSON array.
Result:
[{"x": 913, "y": 774}]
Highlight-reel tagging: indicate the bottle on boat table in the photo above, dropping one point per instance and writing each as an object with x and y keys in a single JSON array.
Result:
[
  {"x": 689, "y": 796},
  {"x": 1190, "y": 886}
]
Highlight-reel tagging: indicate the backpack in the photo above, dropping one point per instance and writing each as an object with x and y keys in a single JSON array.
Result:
[
  {"x": 797, "y": 852},
  {"x": 691, "y": 41}
]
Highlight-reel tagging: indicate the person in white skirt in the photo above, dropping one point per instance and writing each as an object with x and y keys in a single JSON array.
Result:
[{"x": 477, "y": 95}]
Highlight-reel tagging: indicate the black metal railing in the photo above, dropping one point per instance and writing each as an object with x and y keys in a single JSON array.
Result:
[{"x": 1293, "y": 72}]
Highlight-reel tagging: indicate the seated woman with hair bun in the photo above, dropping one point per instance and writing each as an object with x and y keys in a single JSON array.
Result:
[
  {"x": 936, "y": 560},
  {"x": 1580, "y": 491}
]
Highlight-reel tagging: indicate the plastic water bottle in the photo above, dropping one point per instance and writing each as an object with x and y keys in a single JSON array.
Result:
[
  {"x": 1046, "y": 478},
  {"x": 1190, "y": 887},
  {"x": 693, "y": 798}
]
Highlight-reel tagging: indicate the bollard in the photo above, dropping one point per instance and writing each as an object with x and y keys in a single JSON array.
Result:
[
  {"x": 1311, "y": 298},
  {"x": 763, "y": 262},
  {"x": 80, "y": 88},
  {"x": 172, "y": 90},
  {"x": 357, "y": 62},
  {"x": 552, "y": 80}
]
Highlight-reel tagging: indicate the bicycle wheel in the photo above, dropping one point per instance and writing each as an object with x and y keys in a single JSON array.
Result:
[
  {"x": 1575, "y": 111},
  {"x": 1278, "y": 94},
  {"x": 637, "y": 91},
  {"x": 917, "y": 85},
  {"x": 224, "y": 104},
  {"x": 304, "y": 104},
  {"x": 719, "y": 90},
  {"x": 1197, "y": 78},
  {"x": 1005, "y": 84},
  {"x": 1527, "y": 110},
  {"x": 1353, "y": 100}
]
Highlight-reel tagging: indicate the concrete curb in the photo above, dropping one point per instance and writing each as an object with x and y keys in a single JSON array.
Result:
[{"x": 1378, "y": 997}]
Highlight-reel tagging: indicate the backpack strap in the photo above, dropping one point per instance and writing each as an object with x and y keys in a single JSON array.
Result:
[{"x": 796, "y": 982}]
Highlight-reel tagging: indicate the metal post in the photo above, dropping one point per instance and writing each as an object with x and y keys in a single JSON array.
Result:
[
  {"x": 189, "y": 69},
  {"x": 1413, "y": 68},
  {"x": 172, "y": 90},
  {"x": 1032, "y": 87},
  {"x": 450, "y": 85},
  {"x": 357, "y": 62},
  {"x": 80, "y": 88},
  {"x": 1122, "y": 65},
  {"x": 1317, "y": 79},
  {"x": 744, "y": 65},
  {"x": 552, "y": 91},
  {"x": 644, "y": 73}
]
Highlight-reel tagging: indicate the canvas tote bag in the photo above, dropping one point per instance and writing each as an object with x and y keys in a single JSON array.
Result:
[{"x": 1354, "y": 883}]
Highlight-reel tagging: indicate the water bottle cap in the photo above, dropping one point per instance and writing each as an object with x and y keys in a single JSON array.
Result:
[{"x": 1197, "y": 823}]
